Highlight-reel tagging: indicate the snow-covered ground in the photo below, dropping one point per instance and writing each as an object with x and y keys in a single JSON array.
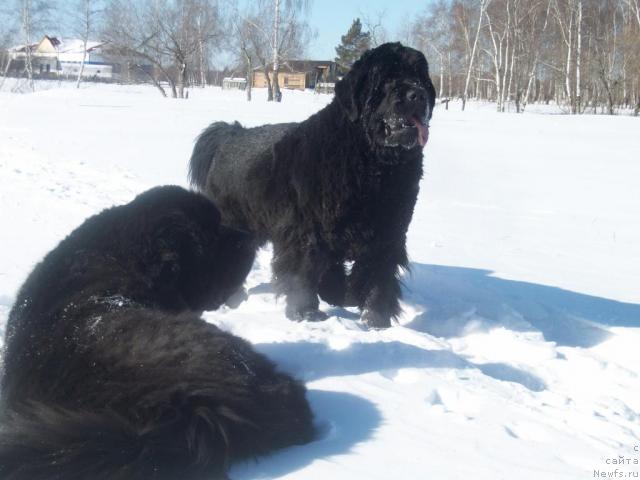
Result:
[{"x": 517, "y": 355}]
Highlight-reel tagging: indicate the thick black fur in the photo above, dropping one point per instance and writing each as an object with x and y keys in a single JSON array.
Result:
[
  {"x": 340, "y": 186},
  {"x": 109, "y": 371}
]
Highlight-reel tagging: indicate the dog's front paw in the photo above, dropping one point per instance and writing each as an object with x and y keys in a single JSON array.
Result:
[{"x": 376, "y": 320}]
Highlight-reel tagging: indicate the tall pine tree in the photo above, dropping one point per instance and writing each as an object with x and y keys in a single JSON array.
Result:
[{"x": 352, "y": 46}]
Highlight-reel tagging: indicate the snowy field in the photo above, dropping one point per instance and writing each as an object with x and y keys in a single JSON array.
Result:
[{"x": 517, "y": 355}]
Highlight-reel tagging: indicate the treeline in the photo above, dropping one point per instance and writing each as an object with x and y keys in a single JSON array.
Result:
[
  {"x": 170, "y": 43},
  {"x": 582, "y": 54}
]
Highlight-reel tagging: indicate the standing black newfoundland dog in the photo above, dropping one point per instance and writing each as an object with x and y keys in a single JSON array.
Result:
[
  {"x": 339, "y": 187},
  {"x": 109, "y": 371}
]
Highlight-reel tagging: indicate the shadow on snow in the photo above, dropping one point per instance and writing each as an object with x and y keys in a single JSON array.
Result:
[
  {"x": 312, "y": 361},
  {"x": 458, "y": 300}
]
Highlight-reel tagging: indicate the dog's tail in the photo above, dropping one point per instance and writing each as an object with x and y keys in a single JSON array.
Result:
[
  {"x": 45, "y": 443},
  {"x": 205, "y": 149}
]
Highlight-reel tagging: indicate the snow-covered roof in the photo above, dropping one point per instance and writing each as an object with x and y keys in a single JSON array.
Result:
[
  {"x": 22, "y": 48},
  {"x": 68, "y": 45},
  {"x": 75, "y": 45}
]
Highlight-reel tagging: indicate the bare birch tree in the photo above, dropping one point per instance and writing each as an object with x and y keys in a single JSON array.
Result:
[
  {"x": 374, "y": 24},
  {"x": 498, "y": 34},
  {"x": 165, "y": 34},
  {"x": 8, "y": 32},
  {"x": 534, "y": 36},
  {"x": 27, "y": 26},
  {"x": 577, "y": 53},
  {"x": 271, "y": 46},
  {"x": 241, "y": 44},
  {"x": 85, "y": 14},
  {"x": 583, "y": 55},
  {"x": 253, "y": 26},
  {"x": 285, "y": 34},
  {"x": 431, "y": 34},
  {"x": 472, "y": 56},
  {"x": 35, "y": 16},
  {"x": 635, "y": 7}
]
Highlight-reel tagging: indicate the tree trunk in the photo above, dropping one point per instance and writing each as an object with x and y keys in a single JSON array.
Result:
[
  {"x": 26, "y": 26},
  {"x": 168, "y": 78},
  {"x": 441, "y": 88},
  {"x": 268, "y": 80},
  {"x": 527, "y": 93},
  {"x": 568, "y": 69},
  {"x": 473, "y": 54},
  {"x": 607, "y": 87},
  {"x": 449, "y": 89},
  {"x": 249, "y": 83},
  {"x": 277, "y": 95},
  {"x": 578, "y": 100},
  {"x": 510, "y": 84},
  {"x": 182, "y": 79},
  {"x": 505, "y": 69},
  {"x": 497, "y": 62},
  {"x": 153, "y": 79},
  {"x": 84, "y": 57},
  {"x": 505, "y": 62},
  {"x": 203, "y": 70},
  {"x": 5, "y": 71}
]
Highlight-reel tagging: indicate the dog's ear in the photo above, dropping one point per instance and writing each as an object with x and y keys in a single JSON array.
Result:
[
  {"x": 349, "y": 89},
  {"x": 178, "y": 244},
  {"x": 431, "y": 91},
  {"x": 346, "y": 98},
  {"x": 421, "y": 68}
]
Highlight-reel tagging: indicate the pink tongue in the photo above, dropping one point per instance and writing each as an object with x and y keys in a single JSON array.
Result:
[{"x": 423, "y": 131}]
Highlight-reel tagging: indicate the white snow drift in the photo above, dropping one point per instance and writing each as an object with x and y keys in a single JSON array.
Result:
[{"x": 517, "y": 355}]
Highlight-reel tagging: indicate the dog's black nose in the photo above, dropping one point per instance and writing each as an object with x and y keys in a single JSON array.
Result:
[{"x": 416, "y": 94}]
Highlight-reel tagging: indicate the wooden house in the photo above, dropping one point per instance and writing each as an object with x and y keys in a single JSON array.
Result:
[
  {"x": 52, "y": 56},
  {"x": 298, "y": 74}
]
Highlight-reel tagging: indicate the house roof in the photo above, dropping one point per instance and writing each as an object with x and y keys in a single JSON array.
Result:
[
  {"x": 69, "y": 45},
  {"x": 75, "y": 45},
  {"x": 23, "y": 48},
  {"x": 54, "y": 40}
]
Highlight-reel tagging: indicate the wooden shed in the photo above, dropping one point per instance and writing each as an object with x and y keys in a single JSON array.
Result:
[{"x": 298, "y": 74}]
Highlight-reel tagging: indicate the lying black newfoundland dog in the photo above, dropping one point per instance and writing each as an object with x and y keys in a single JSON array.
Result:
[
  {"x": 109, "y": 371},
  {"x": 339, "y": 187}
]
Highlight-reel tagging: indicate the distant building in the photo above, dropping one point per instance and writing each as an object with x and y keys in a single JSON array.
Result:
[
  {"x": 229, "y": 83},
  {"x": 299, "y": 74},
  {"x": 52, "y": 56}
]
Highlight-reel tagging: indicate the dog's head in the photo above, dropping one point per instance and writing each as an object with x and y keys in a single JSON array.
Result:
[
  {"x": 389, "y": 94},
  {"x": 190, "y": 258}
]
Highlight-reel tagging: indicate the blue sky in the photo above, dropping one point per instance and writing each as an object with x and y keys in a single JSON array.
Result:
[{"x": 332, "y": 19}]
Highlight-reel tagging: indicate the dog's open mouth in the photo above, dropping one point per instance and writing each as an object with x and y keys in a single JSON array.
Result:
[{"x": 406, "y": 132}]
